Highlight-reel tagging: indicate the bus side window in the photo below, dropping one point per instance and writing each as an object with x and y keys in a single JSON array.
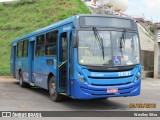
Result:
[
  {"x": 20, "y": 49},
  {"x": 51, "y": 43},
  {"x": 25, "y": 48},
  {"x": 40, "y": 45}
]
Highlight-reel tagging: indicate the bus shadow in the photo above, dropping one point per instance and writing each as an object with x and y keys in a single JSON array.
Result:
[
  {"x": 97, "y": 104},
  {"x": 36, "y": 90}
]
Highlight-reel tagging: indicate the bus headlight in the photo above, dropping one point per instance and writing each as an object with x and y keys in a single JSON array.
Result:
[
  {"x": 138, "y": 76},
  {"x": 81, "y": 78}
]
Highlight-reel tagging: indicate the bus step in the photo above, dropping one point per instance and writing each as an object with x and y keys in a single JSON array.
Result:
[{"x": 63, "y": 93}]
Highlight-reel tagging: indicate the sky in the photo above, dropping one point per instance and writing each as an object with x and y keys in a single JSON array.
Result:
[{"x": 150, "y": 9}]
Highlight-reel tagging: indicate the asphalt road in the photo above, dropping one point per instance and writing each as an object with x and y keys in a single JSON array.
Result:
[{"x": 15, "y": 98}]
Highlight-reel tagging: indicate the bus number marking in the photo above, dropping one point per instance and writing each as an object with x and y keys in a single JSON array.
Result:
[{"x": 124, "y": 73}]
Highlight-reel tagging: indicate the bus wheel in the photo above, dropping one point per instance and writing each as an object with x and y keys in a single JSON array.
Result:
[
  {"x": 52, "y": 90},
  {"x": 21, "y": 82}
]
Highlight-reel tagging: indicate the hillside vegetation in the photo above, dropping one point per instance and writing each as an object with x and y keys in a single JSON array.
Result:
[{"x": 24, "y": 16}]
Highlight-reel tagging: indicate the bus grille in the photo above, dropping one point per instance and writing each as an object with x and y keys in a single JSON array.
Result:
[
  {"x": 111, "y": 84},
  {"x": 109, "y": 77}
]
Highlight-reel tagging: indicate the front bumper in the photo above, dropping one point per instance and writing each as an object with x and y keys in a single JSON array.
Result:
[{"x": 83, "y": 91}]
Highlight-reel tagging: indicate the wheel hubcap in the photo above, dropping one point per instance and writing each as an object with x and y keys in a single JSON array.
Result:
[
  {"x": 20, "y": 80},
  {"x": 52, "y": 88}
]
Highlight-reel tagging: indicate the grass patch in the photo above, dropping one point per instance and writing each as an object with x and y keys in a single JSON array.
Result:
[{"x": 30, "y": 17}]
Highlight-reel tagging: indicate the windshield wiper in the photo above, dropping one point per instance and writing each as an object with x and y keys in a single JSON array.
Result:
[
  {"x": 100, "y": 40},
  {"x": 123, "y": 37},
  {"x": 122, "y": 40}
]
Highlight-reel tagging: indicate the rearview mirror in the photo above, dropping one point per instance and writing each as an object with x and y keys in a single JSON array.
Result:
[{"x": 74, "y": 41}]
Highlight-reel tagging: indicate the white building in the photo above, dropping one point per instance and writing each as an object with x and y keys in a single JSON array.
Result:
[
  {"x": 158, "y": 35},
  {"x": 158, "y": 52},
  {"x": 6, "y": 0}
]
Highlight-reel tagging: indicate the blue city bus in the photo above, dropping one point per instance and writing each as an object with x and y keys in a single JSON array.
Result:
[{"x": 83, "y": 57}]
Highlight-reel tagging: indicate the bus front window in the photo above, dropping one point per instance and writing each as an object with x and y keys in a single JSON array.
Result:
[
  {"x": 90, "y": 51},
  {"x": 120, "y": 48}
]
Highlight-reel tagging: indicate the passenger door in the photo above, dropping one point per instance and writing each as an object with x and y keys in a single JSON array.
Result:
[
  {"x": 31, "y": 59},
  {"x": 63, "y": 73},
  {"x": 14, "y": 61}
]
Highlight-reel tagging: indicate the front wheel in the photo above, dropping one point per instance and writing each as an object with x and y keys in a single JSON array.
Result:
[{"x": 52, "y": 90}]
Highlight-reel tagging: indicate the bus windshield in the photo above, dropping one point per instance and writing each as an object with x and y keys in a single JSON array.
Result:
[{"x": 120, "y": 48}]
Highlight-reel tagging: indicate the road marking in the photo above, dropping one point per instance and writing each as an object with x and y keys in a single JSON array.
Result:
[
  {"x": 3, "y": 94},
  {"x": 23, "y": 106}
]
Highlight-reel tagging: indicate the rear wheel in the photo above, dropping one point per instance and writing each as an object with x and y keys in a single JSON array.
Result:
[
  {"x": 21, "y": 82},
  {"x": 52, "y": 90}
]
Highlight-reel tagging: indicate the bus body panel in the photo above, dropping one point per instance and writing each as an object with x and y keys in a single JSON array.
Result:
[
  {"x": 110, "y": 78},
  {"x": 94, "y": 92},
  {"x": 43, "y": 66}
]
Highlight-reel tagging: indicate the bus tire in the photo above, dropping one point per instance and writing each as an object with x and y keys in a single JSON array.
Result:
[
  {"x": 52, "y": 90},
  {"x": 21, "y": 82}
]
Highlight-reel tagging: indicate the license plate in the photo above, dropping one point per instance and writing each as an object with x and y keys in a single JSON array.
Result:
[{"x": 112, "y": 90}]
